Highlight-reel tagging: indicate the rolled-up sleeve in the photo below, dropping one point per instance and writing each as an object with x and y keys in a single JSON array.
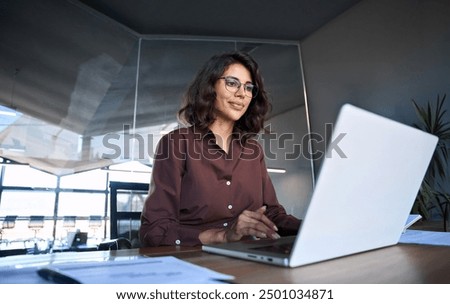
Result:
[{"x": 160, "y": 223}]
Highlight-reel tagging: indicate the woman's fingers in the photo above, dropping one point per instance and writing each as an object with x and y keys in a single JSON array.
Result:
[
  {"x": 261, "y": 217},
  {"x": 255, "y": 223}
]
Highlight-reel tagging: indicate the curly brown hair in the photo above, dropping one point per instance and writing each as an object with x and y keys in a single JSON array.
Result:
[{"x": 198, "y": 106}]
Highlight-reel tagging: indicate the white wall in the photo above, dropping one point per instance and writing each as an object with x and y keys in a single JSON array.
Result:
[{"x": 379, "y": 55}]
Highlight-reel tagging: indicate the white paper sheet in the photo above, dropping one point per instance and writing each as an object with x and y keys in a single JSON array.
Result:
[
  {"x": 145, "y": 270},
  {"x": 425, "y": 237}
]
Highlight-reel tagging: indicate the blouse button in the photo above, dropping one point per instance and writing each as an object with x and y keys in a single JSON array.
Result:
[
  {"x": 228, "y": 183},
  {"x": 230, "y": 206},
  {"x": 177, "y": 242}
]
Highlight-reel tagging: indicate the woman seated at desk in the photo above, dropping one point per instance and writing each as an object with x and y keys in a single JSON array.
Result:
[{"x": 210, "y": 182}]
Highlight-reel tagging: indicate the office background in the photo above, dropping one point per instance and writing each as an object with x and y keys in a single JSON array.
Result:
[{"x": 70, "y": 69}]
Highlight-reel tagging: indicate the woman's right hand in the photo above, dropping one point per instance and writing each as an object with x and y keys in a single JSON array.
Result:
[
  {"x": 254, "y": 224},
  {"x": 249, "y": 223}
]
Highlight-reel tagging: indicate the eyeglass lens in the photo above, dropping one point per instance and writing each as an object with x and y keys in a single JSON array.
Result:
[{"x": 233, "y": 85}]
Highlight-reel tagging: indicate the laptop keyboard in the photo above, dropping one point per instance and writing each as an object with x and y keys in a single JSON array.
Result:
[{"x": 278, "y": 248}]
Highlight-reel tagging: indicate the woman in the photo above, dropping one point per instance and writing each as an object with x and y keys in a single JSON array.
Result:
[{"x": 210, "y": 183}]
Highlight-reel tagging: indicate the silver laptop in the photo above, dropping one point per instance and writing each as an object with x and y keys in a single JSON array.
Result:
[{"x": 362, "y": 196}]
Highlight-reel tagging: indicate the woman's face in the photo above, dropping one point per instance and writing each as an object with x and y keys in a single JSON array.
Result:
[{"x": 229, "y": 105}]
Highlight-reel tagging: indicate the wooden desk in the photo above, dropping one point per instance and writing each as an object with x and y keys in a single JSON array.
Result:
[{"x": 396, "y": 264}]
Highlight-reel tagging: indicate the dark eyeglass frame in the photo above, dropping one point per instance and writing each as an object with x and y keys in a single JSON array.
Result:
[{"x": 250, "y": 89}]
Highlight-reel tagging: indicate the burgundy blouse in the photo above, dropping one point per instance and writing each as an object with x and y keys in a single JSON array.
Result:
[{"x": 196, "y": 186}]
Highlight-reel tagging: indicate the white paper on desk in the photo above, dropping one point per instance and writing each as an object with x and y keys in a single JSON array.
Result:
[
  {"x": 146, "y": 270},
  {"x": 423, "y": 237}
]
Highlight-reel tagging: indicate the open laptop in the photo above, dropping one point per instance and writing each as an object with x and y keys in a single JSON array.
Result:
[
  {"x": 76, "y": 238},
  {"x": 362, "y": 196}
]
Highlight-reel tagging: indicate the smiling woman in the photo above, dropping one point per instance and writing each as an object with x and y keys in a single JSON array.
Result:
[{"x": 210, "y": 182}]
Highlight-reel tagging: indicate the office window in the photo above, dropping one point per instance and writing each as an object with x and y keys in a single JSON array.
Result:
[
  {"x": 84, "y": 205},
  {"x": 25, "y": 176},
  {"x": 26, "y": 203},
  {"x": 81, "y": 204},
  {"x": 132, "y": 177},
  {"x": 94, "y": 180},
  {"x": 131, "y": 200}
]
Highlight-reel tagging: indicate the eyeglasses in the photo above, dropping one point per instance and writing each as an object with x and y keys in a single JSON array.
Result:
[{"x": 233, "y": 85}]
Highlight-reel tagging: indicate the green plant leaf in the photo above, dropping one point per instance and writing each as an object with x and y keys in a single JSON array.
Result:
[{"x": 432, "y": 118}]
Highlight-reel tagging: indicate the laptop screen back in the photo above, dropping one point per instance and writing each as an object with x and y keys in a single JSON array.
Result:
[{"x": 364, "y": 193}]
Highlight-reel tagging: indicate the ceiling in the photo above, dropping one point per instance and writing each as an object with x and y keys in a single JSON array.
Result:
[
  {"x": 262, "y": 19},
  {"x": 69, "y": 68}
]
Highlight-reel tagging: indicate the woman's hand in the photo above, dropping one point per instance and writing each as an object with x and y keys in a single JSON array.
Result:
[
  {"x": 252, "y": 223},
  {"x": 249, "y": 223}
]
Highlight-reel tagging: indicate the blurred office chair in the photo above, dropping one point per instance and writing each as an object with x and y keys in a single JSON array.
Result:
[
  {"x": 69, "y": 222},
  {"x": 95, "y": 222},
  {"x": 36, "y": 223},
  {"x": 68, "y": 225},
  {"x": 8, "y": 223}
]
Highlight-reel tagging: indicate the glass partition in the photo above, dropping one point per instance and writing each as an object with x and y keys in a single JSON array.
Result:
[
  {"x": 91, "y": 104},
  {"x": 137, "y": 102}
]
